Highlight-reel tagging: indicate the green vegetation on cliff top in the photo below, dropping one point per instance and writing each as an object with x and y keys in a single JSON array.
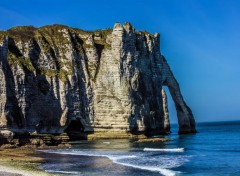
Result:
[
  {"x": 55, "y": 41},
  {"x": 25, "y": 33}
]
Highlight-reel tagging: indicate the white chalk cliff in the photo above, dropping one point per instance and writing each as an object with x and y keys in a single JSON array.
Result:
[{"x": 56, "y": 78}]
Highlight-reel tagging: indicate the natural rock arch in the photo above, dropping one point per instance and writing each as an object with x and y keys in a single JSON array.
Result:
[{"x": 186, "y": 120}]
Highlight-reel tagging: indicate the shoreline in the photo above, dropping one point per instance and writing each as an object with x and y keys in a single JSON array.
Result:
[
  {"x": 21, "y": 161},
  {"x": 11, "y": 171},
  {"x": 25, "y": 160}
]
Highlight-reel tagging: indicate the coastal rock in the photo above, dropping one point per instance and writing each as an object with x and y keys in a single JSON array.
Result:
[
  {"x": 57, "y": 79},
  {"x": 165, "y": 111}
]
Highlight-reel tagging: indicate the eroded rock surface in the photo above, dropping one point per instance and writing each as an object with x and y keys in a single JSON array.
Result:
[{"x": 57, "y": 78}]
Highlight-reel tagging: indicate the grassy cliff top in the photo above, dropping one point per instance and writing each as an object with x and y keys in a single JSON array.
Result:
[{"x": 25, "y": 33}]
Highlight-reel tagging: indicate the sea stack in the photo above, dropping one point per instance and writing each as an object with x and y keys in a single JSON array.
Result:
[{"x": 57, "y": 79}]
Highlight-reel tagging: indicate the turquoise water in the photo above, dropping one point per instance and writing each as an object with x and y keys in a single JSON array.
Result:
[{"x": 215, "y": 150}]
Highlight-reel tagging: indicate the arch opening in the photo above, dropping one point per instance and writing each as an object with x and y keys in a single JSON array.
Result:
[{"x": 171, "y": 112}]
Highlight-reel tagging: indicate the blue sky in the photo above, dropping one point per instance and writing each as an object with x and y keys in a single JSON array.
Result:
[{"x": 199, "y": 38}]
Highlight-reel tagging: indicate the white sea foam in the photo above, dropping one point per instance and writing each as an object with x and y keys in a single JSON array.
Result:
[
  {"x": 63, "y": 172},
  {"x": 166, "y": 172},
  {"x": 138, "y": 160},
  {"x": 164, "y": 150},
  {"x": 106, "y": 142}
]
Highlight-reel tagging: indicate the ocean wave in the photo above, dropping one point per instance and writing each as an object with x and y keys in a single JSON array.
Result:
[
  {"x": 64, "y": 172},
  {"x": 163, "y": 171},
  {"x": 106, "y": 142},
  {"x": 138, "y": 160},
  {"x": 164, "y": 150}
]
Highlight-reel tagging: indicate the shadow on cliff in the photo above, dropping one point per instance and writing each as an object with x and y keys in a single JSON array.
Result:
[
  {"x": 43, "y": 99},
  {"x": 78, "y": 124},
  {"x": 15, "y": 117},
  {"x": 147, "y": 112}
]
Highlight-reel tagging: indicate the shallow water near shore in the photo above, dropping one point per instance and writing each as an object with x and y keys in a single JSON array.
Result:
[{"x": 213, "y": 151}]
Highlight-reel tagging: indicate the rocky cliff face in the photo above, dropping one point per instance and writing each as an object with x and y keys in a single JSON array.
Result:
[{"x": 56, "y": 78}]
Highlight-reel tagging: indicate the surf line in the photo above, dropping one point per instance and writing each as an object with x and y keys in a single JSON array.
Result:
[{"x": 164, "y": 150}]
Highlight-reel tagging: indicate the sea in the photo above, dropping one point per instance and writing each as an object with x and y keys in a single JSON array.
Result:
[{"x": 213, "y": 151}]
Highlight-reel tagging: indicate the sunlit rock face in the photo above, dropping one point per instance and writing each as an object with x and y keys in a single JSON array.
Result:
[{"x": 55, "y": 77}]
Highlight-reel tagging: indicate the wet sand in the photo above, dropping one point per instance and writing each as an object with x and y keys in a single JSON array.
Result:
[
  {"x": 7, "y": 171},
  {"x": 9, "y": 174},
  {"x": 21, "y": 161},
  {"x": 2, "y": 173}
]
